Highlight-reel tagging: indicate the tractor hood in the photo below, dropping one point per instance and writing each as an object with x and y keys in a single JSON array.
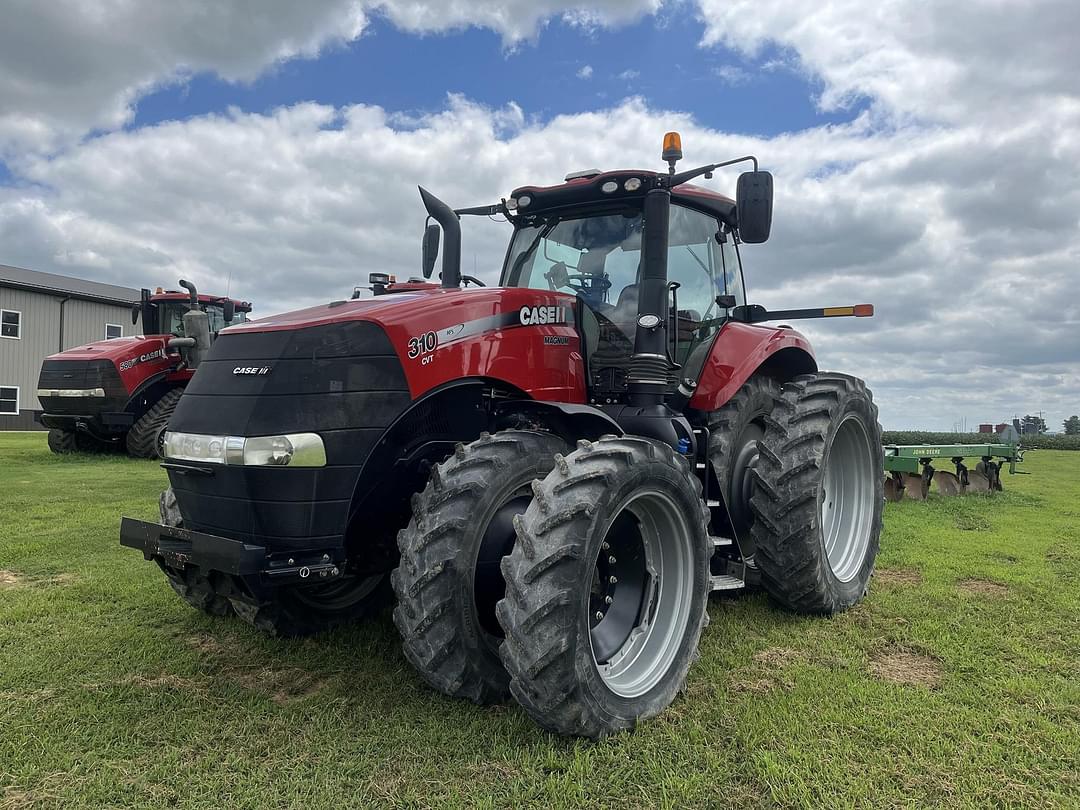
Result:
[
  {"x": 383, "y": 307},
  {"x": 121, "y": 366},
  {"x": 117, "y": 350},
  {"x": 443, "y": 335}
]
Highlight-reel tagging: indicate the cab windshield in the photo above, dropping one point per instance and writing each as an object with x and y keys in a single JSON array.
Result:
[
  {"x": 598, "y": 259},
  {"x": 172, "y": 317}
]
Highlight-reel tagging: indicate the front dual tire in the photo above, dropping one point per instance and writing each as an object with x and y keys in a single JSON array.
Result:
[
  {"x": 606, "y": 588},
  {"x": 603, "y": 556}
]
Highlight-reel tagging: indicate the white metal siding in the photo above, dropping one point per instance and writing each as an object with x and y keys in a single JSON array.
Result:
[{"x": 84, "y": 322}]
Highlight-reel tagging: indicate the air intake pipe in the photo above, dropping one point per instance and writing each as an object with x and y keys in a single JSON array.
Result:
[
  {"x": 196, "y": 345},
  {"x": 445, "y": 216}
]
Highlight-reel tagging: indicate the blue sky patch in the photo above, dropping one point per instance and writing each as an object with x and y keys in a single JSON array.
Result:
[{"x": 569, "y": 70}]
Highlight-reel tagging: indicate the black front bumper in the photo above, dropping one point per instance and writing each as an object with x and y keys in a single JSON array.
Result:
[
  {"x": 106, "y": 424},
  {"x": 253, "y": 568}
]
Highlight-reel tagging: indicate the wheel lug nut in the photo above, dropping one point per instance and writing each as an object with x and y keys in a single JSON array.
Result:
[
  {"x": 613, "y": 580},
  {"x": 599, "y": 615},
  {"x": 606, "y": 545},
  {"x": 608, "y": 600},
  {"x": 611, "y": 560}
]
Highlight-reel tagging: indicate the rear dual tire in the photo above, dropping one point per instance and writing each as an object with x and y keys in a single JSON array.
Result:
[{"x": 818, "y": 494}]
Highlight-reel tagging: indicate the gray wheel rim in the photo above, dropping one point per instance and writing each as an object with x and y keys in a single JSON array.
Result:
[
  {"x": 653, "y": 644},
  {"x": 847, "y": 498}
]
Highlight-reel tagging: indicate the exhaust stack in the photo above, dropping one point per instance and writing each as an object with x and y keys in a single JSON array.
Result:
[{"x": 445, "y": 216}]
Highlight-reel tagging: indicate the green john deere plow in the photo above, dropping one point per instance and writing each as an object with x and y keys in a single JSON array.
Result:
[{"x": 910, "y": 469}]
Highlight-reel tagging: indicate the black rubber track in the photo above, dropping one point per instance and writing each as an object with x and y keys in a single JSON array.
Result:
[
  {"x": 728, "y": 425},
  {"x": 62, "y": 441},
  {"x": 548, "y": 651},
  {"x": 787, "y": 528},
  {"x": 443, "y": 635},
  {"x": 142, "y": 439},
  {"x": 190, "y": 585}
]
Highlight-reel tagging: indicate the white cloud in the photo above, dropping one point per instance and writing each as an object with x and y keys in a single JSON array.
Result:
[
  {"x": 629, "y": 75},
  {"x": 294, "y": 209},
  {"x": 931, "y": 61},
  {"x": 71, "y": 66},
  {"x": 732, "y": 74},
  {"x": 953, "y": 204},
  {"x": 585, "y": 72}
]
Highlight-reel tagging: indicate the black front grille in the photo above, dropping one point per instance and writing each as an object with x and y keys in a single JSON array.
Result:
[
  {"x": 343, "y": 381},
  {"x": 82, "y": 374}
]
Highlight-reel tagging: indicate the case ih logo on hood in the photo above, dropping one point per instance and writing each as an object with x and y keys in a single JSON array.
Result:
[
  {"x": 142, "y": 358},
  {"x": 535, "y": 316},
  {"x": 251, "y": 371}
]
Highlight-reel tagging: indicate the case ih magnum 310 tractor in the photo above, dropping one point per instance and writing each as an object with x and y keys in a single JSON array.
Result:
[
  {"x": 552, "y": 474},
  {"x": 124, "y": 390}
]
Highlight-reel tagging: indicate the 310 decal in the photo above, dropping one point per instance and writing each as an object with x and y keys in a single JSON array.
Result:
[{"x": 423, "y": 344}]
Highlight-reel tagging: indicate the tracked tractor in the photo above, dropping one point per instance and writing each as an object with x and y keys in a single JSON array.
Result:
[
  {"x": 552, "y": 475},
  {"x": 120, "y": 393}
]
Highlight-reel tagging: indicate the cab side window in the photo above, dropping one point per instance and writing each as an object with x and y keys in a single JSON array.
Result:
[{"x": 704, "y": 268}]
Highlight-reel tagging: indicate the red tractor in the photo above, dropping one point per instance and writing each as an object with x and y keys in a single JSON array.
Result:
[
  {"x": 550, "y": 475},
  {"x": 123, "y": 391}
]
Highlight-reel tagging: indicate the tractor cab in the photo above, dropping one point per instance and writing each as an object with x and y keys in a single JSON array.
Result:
[
  {"x": 162, "y": 312},
  {"x": 590, "y": 246}
]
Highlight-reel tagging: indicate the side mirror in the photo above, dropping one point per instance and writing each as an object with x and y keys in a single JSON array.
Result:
[
  {"x": 726, "y": 301},
  {"x": 228, "y": 310},
  {"x": 136, "y": 309},
  {"x": 430, "y": 248},
  {"x": 749, "y": 313},
  {"x": 753, "y": 202}
]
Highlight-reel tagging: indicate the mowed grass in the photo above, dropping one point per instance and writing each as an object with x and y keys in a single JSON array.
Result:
[{"x": 956, "y": 682}]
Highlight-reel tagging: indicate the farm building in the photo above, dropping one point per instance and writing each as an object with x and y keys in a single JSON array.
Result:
[{"x": 43, "y": 313}]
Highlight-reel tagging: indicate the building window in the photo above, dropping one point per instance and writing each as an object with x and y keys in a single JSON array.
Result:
[
  {"x": 10, "y": 324},
  {"x": 113, "y": 330},
  {"x": 9, "y": 400}
]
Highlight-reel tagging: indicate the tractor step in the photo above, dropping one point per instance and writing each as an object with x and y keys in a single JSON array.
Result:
[
  {"x": 726, "y": 582},
  {"x": 720, "y": 541}
]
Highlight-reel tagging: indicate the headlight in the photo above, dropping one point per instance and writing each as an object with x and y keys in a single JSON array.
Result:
[
  {"x": 632, "y": 184},
  {"x": 291, "y": 450},
  {"x": 89, "y": 393}
]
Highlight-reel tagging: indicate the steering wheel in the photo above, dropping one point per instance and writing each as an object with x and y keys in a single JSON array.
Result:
[
  {"x": 472, "y": 280},
  {"x": 580, "y": 283}
]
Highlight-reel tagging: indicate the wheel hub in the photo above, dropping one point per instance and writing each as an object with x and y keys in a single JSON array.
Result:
[
  {"x": 498, "y": 541},
  {"x": 741, "y": 485},
  {"x": 846, "y": 500},
  {"x": 645, "y": 567}
]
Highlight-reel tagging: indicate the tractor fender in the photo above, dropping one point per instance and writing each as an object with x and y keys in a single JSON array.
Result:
[
  {"x": 567, "y": 419},
  {"x": 741, "y": 350}
]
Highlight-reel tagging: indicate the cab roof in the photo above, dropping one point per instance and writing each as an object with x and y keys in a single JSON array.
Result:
[
  {"x": 587, "y": 188},
  {"x": 178, "y": 295}
]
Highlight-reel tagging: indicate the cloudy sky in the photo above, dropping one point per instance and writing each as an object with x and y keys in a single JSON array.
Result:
[{"x": 927, "y": 156}]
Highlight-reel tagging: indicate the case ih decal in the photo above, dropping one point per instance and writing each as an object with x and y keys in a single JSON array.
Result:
[{"x": 142, "y": 358}]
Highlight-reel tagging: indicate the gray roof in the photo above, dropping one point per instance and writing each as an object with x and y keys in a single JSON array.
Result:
[{"x": 53, "y": 284}]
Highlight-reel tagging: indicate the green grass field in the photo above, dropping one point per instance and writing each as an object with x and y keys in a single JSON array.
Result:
[{"x": 957, "y": 682}]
